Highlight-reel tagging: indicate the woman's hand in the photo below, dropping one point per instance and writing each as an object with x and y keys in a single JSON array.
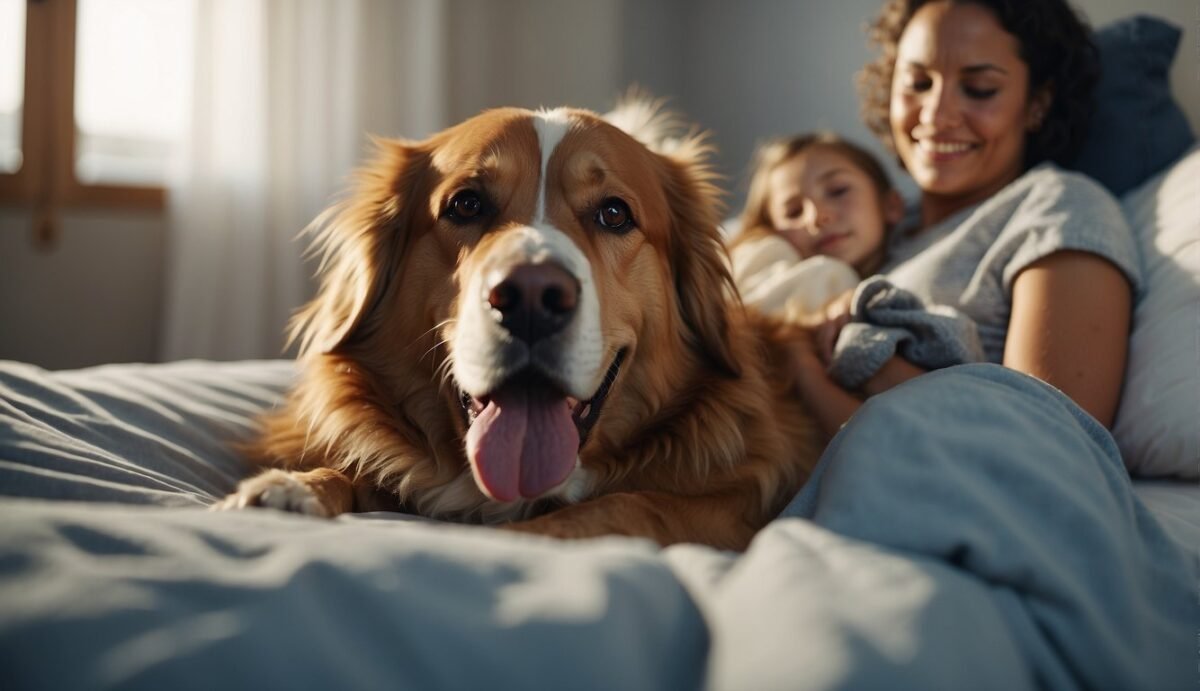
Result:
[{"x": 837, "y": 315}]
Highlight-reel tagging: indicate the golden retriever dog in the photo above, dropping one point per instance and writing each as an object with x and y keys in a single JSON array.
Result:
[{"x": 528, "y": 320}]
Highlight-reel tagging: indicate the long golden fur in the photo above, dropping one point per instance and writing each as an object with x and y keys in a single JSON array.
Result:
[{"x": 700, "y": 437}]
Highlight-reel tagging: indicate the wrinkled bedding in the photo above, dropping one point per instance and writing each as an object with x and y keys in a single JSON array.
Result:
[{"x": 985, "y": 557}]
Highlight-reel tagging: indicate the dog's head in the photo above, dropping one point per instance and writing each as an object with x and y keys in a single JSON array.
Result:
[{"x": 542, "y": 279}]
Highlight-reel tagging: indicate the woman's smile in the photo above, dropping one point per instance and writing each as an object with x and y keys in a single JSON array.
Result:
[{"x": 936, "y": 151}]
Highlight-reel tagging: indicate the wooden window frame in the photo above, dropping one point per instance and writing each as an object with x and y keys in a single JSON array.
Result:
[{"x": 46, "y": 182}]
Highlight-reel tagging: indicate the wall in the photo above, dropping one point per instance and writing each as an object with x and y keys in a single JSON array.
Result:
[
  {"x": 95, "y": 298},
  {"x": 531, "y": 53},
  {"x": 744, "y": 70},
  {"x": 653, "y": 48},
  {"x": 759, "y": 68},
  {"x": 772, "y": 67}
]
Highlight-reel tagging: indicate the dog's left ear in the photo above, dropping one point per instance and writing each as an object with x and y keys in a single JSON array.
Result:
[{"x": 703, "y": 283}]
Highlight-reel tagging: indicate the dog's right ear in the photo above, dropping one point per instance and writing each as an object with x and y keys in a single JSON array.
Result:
[{"x": 360, "y": 241}]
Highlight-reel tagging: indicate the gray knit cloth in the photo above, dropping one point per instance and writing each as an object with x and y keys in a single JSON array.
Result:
[{"x": 886, "y": 320}]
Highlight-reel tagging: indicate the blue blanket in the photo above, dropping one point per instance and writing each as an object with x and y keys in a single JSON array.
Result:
[{"x": 970, "y": 529}]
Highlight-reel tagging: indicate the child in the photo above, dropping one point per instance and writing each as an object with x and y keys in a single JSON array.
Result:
[
  {"x": 816, "y": 223},
  {"x": 816, "y": 218}
]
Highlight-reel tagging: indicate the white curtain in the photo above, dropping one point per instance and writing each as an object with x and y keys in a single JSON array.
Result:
[{"x": 285, "y": 94}]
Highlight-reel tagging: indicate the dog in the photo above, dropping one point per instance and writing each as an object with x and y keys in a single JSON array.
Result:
[{"x": 528, "y": 320}]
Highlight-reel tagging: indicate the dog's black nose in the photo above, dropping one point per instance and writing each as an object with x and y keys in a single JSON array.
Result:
[{"x": 533, "y": 301}]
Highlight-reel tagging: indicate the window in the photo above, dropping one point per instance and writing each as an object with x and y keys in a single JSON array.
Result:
[
  {"x": 12, "y": 82},
  {"x": 93, "y": 98},
  {"x": 130, "y": 93}
]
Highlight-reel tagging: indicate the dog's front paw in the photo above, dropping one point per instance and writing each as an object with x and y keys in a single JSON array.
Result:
[{"x": 275, "y": 489}]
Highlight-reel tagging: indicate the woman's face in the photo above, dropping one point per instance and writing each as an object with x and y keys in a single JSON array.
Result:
[
  {"x": 960, "y": 108},
  {"x": 824, "y": 204}
]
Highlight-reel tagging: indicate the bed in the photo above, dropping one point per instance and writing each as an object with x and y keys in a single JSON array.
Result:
[{"x": 113, "y": 574}]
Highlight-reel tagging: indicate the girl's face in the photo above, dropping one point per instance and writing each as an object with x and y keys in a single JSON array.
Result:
[
  {"x": 822, "y": 203},
  {"x": 959, "y": 107}
]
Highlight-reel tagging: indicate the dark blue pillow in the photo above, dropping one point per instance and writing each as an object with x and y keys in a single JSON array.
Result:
[{"x": 1137, "y": 128}]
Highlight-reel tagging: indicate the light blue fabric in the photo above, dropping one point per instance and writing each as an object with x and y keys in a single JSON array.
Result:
[
  {"x": 134, "y": 434},
  {"x": 970, "y": 529},
  {"x": 999, "y": 476},
  {"x": 96, "y": 596}
]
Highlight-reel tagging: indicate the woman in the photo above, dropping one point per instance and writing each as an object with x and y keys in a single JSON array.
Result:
[
  {"x": 981, "y": 470},
  {"x": 979, "y": 101}
]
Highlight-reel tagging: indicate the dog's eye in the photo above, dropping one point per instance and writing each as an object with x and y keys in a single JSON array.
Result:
[
  {"x": 465, "y": 206},
  {"x": 614, "y": 215}
]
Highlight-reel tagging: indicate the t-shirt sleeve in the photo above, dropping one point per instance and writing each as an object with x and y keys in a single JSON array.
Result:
[{"x": 1068, "y": 211}]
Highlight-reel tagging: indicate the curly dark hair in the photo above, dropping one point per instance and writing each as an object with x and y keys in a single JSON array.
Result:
[{"x": 1056, "y": 45}]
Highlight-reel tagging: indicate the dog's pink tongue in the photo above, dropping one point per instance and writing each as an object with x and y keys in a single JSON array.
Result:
[{"x": 522, "y": 444}]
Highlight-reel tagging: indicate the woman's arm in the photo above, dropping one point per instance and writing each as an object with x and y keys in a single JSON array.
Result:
[{"x": 1070, "y": 327}]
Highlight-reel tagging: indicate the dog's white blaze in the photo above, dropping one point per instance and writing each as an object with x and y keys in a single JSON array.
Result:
[
  {"x": 480, "y": 343},
  {"x": 551, "y": 126},
  {"x": 584, "y": 347}
]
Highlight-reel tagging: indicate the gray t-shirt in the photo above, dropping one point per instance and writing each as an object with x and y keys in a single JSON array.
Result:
[{"x": 970, "y": 259}]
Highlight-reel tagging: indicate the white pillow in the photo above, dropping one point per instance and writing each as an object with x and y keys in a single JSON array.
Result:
[{"x": 1158, "y": 422}]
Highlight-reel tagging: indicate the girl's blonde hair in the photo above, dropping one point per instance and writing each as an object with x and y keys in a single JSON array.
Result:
[{"x": 754, "y": 220}]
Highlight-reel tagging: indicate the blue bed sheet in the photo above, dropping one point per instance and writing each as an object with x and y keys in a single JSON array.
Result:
[{"x": 986, "y": 555}]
